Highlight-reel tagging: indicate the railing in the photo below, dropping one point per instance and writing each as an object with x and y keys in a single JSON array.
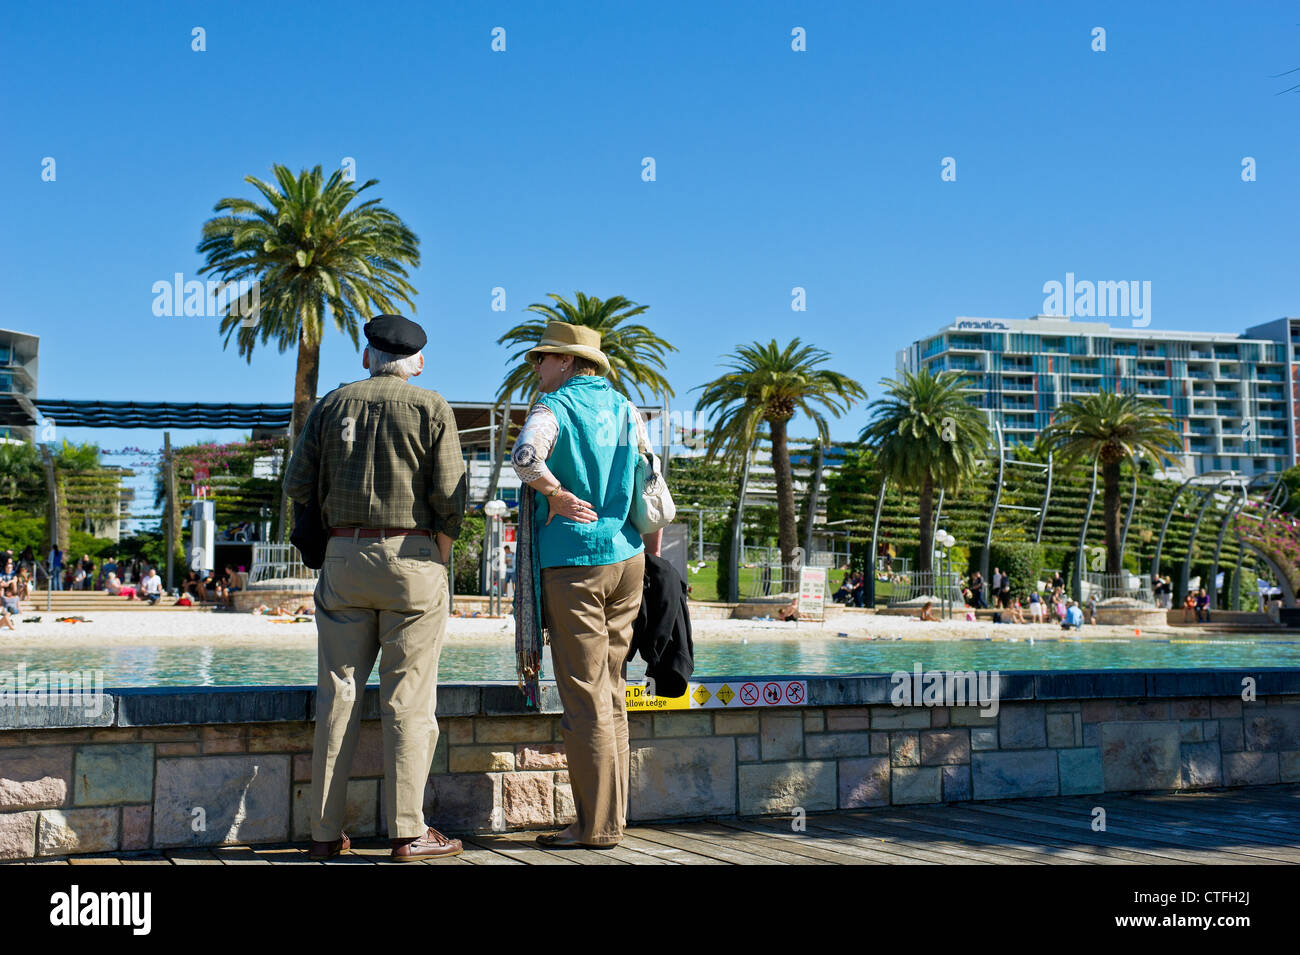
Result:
[
  {"x": 916, "y": 587},
  {"x": 778, "y": 580},
  {"x": 278, "y": 566},
  {"x": 1118, "y": 585}
]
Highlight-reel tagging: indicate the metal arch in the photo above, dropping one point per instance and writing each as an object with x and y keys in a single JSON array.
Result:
[
  {"x": 1083, "y": 536},
  {"x": 1213, "y": 590},
  {"x": 1164, "y": 526},
  {"x": 869, "y": 581},
  {"x": 1278, "y": 484},
  {"x": 1047, "y": 497},
  {"x": 738, "y": 534},
  {"x": 1128, "y": 518},
  {"x": 997, "y": 498},
  {"x": 1191, "y": 540},
  {"x": 1288, "y": 595}
]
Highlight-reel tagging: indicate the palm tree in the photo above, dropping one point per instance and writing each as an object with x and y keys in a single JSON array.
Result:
[
  {"x": 1107, "y": 428},
  {"x": 635, "y": 353},
  {"x": 309, "y": 254},
  {"x": 926, "y": 435},
  {"x": 768, "y": 383}
]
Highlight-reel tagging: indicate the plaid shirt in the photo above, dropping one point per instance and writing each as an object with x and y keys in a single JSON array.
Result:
[{"x": 385, "y": 454}]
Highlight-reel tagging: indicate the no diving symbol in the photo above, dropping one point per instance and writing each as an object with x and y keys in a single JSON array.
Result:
[
  {"x": 794, "y": 692},
  {"x": 772, "y": 694},
  {"x": 749, "y": 694}
]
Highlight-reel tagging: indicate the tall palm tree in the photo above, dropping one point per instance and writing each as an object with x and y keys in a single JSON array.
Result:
[
  {"x": 768, "y": 383},
  {"x": 1107, "y": 428},
  {"x": 310, "y": 254},
  {"x": 635, "y": 353},
  {"x": 926, "y": 435}
]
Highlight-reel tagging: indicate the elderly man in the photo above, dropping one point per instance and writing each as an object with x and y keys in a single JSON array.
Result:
[{"x": 383, "y": 459}]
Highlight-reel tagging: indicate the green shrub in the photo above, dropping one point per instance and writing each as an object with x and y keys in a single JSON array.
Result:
[{"x": 1022, "y": 561}]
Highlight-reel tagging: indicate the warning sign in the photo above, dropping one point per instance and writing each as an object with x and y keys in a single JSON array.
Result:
[
  {"x": 714, "y": 696},
  {"x": 812, "y": 593}
]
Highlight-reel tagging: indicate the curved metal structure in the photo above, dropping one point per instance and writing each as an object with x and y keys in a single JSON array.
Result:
[
  {"x": 997, "y": 498},
  {"x": 1288, "y": 595},
  {"x": 869, "y": 588},
  {"x": 1186, "y": 574},
  {"x": 1077, "y": 583},
  {"x": 1128, "y": 518},
  {"x": 738, "y": 535},
  {"x": 1164, "y": 526},
  {"x": 1213, "y": 590},
  {"x": 1047, "y": 498}
]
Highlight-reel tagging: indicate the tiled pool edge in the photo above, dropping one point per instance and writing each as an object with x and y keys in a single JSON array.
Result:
[{"x": 179, "y": 766}]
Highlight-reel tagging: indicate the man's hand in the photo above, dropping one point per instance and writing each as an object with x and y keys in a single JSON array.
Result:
[
  {"x": 444, "y": 546},
  {"x": 567, "y": 504}
]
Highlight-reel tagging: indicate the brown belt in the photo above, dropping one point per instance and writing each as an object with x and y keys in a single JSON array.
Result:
[{"x": 378, "y": 532}]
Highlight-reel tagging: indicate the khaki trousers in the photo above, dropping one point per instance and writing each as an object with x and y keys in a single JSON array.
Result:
[
  {"x": 385, "y": 598},
  {"x": 590, "y": 612}
]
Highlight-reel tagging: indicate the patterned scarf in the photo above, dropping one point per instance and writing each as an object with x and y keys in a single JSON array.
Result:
[{"x": 528, "y": 603}]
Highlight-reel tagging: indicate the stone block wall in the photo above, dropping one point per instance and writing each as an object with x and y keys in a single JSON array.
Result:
[{"x": 200, "y": 766}]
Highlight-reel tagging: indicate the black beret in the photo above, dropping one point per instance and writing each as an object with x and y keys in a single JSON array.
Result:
[{"x": 396, "y": 335}]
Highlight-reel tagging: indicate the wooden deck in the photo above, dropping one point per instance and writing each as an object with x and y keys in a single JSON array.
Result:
[{"x": 1243, "y": 827}]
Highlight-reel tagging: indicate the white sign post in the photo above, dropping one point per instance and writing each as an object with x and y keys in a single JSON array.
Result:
[{"x": 812, "y": 593}]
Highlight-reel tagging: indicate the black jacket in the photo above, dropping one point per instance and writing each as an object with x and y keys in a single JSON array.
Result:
[{"x": 662, "y": 633}]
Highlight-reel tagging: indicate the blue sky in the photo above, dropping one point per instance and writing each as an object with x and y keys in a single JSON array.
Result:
[{"x": 775, "y": 169}]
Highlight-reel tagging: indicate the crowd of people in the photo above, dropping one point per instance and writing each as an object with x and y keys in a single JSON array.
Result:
[
  {"x": 1012, "y": 605},
  {"x": 132, "y": 580}
]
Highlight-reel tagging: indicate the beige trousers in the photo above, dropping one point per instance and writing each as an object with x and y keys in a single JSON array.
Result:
[
  {"x": 590, "y": 612},
  {"x": 385, "y": 598}
]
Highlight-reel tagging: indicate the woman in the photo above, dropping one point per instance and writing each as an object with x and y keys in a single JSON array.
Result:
[
  {"x": 116, "y": 588},
  {"x": 581, "y": 555},
  {"x": 927, "y": 611}
]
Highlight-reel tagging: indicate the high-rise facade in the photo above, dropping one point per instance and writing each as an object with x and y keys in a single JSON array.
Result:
[
  {"x": 18, "y": 354},
  {"x": 1234, "y": 396}
]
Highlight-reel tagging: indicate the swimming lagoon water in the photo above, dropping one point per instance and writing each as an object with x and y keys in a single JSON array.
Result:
[{"x": 479, "y": 659}]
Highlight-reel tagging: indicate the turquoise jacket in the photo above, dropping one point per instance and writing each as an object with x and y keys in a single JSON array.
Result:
[{"x": 595, "y": 458}]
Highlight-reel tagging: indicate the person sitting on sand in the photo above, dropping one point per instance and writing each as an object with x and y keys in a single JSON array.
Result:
[
  {"x": 927, "y": 611},
  {"x": 790, "y": 611},
  {"x": 1073, "y": 617},
  {"x": 1017, "y": 612},
  {"x": 6, "y": 618}
]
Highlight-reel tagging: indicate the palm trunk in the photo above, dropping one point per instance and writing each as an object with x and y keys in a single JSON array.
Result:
[
  {"x": 1110, "y": 479},
  {"x": 787, "y": 533},
  {"x": 924, "y": 562},
  {"x": 306, "y": 379}
]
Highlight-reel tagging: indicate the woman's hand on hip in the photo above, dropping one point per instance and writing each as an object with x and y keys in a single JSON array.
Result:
[{"x": 567, "y": 504}]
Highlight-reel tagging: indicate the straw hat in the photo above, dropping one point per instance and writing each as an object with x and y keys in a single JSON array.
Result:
[{"x": 561, "y": 338}]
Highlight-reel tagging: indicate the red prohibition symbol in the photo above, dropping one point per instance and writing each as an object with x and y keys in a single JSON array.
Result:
[
  {"x": 794, "y": 692},
  {"x": 772, "y": 694},
  {"x": 749, "y": 694}
]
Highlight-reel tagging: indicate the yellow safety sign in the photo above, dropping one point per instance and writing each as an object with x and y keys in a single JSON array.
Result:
[{"x": 720, "y": 696}]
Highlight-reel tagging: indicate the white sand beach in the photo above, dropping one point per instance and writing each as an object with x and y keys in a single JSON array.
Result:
[{"x": 173, "y": 628}]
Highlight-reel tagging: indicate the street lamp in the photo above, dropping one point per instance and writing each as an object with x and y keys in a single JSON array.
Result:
[
  {"x": 495, "y": 510},
  {"x": 945, "y": 541}
]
